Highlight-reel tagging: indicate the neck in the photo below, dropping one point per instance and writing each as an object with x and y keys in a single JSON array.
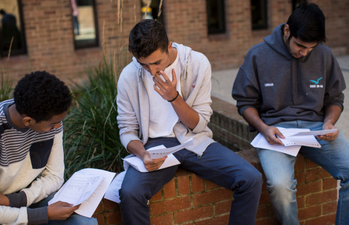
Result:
[
  {"x": 173, "y": 55},
  {"x": 16, "y": 118}
]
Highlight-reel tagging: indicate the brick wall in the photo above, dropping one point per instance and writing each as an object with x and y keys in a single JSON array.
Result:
[
  {"x": 188, "y": 199},
  {"x": 49, "y": 33}
]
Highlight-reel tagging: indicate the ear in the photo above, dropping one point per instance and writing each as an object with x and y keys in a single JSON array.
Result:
[
  {"x": 169, "y": 47},
  {"x": 27, "y": 121},
  {"x": 287, "y": 31}
]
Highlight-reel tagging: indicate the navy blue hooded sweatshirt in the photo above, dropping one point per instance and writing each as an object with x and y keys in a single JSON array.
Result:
[{"x": 283, "y": 88}]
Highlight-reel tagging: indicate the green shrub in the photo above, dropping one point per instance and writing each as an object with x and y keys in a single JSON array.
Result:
[{"x": 91, "y": 135}]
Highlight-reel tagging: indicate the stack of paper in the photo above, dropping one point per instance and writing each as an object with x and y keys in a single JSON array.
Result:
[{"x": 294, "y": 139}]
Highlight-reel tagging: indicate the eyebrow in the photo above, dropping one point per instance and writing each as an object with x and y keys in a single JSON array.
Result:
[
  {"x": 303, "y": 45},
  {"x": 149, "y": 63}
]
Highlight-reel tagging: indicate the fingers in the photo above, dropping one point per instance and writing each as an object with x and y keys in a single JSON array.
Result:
[{"x": 154, "y": 164}]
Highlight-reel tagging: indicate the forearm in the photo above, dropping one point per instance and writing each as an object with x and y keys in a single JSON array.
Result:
[
  {"x": 332, "y": 114},
  {"x": 251, "y": 115},
  {"x": 136, "y": 147},
  {"x": 188, "y": 116}
]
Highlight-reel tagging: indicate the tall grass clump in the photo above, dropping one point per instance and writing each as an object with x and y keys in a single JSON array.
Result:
[
  {"x": 91, "y": 135},
  {"x": 5, "y": 87}
]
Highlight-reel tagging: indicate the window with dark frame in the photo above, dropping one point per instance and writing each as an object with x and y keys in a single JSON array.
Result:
[
  {"x": 296, "y": 3},
  {"x": 84, "y": 20},
  {"x": 12, "y": 35},
  {"x": 152, "y": 12},
  {"x": 215, "y": 16},
  {"x": 259, "y": 14}
]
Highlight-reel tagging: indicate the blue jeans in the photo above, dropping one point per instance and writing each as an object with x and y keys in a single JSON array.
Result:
[
  {"x": 74, "y": 219},
  {"x": 333, "y": 156},
  {"x": 218, "y": 164}
]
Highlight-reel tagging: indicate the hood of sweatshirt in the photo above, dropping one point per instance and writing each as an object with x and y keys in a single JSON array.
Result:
[
  {"x": 183, "y": 58},
  {"x": 275, "y": 42}
]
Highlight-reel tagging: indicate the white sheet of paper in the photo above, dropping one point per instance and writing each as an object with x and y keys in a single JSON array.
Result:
[
  {"x": 260, "y": 142},
  {"x": 112, "y": 192},
  {"x": 156, "y": 153},
  {"x": 88, "y": 207},
  {"x": 318, "y": 132},
  {"x": 77, "y": 189},
  {"x": 138, "y": 164},
  {"x": 291, "y": 138}
]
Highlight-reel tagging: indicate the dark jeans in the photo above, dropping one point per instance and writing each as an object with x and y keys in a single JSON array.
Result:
[{"x": 218, "y": 164}]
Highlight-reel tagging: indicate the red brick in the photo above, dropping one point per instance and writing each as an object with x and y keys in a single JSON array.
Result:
[
  {"x": 264, "y": 211},
  {"x": 113, "y": 217},
  {"x": 157, "y": 196},
  {"x": 264, "y": 199},
  {"x": 310, "y": 164},
  {"x": 309, "y": 212},
  {"x": 330, "y": 183},
  {"x": 211, "y": 196},
  {"x": 193, "y": 214},
  {"x": 316, "y": 174},
  {"x": 300, "y": 176},
  {"x": 268, "y": 221},
  {"x": 172, "y": 205},
  {"x": 330, "y": 207},
  {"x": 306, "y": 188},
  {"x": 319, "y": 198},
  {"x": 300, "y": 163},
  {"x": 183, "y": 185},
  {"x": 301, "y": 202},
  {"x": 323, "y": 220},
  {"x": 161, "y": 220},
  {"x": 220, "y": 220},
  {"x": 210, "y": 185},
  {"x": 110, "y": 205},
  {"x": 100, "y": 219},
  {"x": 169, "y": 189},
  {"x": 197, "y": 183},
  {"x": 222, "y": 207}
]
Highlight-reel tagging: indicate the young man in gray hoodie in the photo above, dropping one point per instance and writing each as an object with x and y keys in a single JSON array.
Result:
[
  {"x": 164, "y": 98},
  {"x": 292, "y": 80}
]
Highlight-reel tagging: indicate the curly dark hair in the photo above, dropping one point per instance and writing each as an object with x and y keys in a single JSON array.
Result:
[
  {"x": 146, "y": 37},
  {"x": 41, "y": 96}
]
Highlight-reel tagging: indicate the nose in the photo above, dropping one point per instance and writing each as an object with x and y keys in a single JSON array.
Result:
[
  {"x": 304, "y": 52},
  {"x": 152, "y": 69}
]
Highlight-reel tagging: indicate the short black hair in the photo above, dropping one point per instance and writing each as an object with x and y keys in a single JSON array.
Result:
[
  {"x": 41, "y": 96},
  {"x": 146, "y": 37},
  {"x": 307, "y": 23}
]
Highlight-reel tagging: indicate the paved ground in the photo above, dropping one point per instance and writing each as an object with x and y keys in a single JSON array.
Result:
[{"x": 222, "y": 82}]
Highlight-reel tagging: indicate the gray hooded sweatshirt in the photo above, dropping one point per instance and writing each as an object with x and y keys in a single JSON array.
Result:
[
  {"x": 133, "y": 100},
  {"x": 283, "y": 88}
]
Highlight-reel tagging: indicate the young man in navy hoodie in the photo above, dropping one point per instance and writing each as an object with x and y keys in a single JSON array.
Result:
[{"x": 292, "y": 80}]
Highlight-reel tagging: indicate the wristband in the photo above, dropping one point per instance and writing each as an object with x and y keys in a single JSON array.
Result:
[{"x": 174, "y": 98}]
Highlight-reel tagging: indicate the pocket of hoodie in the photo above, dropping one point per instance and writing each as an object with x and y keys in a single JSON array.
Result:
[{"x": 39, "y": 153}]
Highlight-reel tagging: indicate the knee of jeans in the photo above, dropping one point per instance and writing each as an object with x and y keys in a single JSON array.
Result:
[
  {"x": 252, "y": 178},
  {"x": 280, "y": 188},
  {"x": 132, "y": 193}
]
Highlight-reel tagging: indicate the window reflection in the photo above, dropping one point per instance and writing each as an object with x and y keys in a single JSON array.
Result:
[
  {"x": 11, "y": 29},
  {"x": 84, "y": 23}
]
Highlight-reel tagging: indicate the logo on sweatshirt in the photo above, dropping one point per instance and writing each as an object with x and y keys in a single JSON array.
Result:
[{"x": 316, "y": 83}]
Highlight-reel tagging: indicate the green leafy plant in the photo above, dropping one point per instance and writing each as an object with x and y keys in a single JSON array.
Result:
[{"x": 91, "y": 134}]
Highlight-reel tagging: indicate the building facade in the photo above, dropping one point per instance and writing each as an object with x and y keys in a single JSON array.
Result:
[{"x": 67, "y": 40}]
